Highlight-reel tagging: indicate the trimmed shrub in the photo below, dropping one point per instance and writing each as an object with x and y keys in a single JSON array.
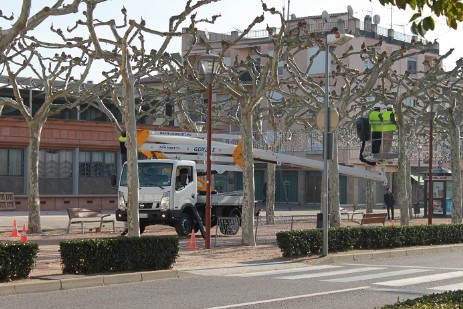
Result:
[
  {"x": 17, "y": 260},
  {"x": 88, "y": 256},
  {"x": 309, "y": 242}
]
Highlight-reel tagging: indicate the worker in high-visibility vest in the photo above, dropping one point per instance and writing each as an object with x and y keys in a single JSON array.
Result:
[
  {"x": 376, "y": 124},
  {"x": 122, "y": 140},
  {"x": 389, "y": 127}
]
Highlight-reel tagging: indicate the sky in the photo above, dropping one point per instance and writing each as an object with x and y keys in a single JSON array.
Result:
[{"x": 237, "y": 14}]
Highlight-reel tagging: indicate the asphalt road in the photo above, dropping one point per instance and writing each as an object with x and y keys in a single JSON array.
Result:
[{"x": 272, "y": 285}]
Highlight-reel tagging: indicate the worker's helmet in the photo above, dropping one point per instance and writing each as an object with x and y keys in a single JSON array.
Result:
[
  {"x": 389, "y": 106},
  {"x": 377, "y": 106}
]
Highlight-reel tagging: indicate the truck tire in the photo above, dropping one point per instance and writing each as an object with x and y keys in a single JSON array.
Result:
[
  {"x": 183, "y": 225},
  {"x": 232, "y": 227}
]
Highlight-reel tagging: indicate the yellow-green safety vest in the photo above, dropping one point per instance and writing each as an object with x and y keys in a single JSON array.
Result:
[
  {"x": 375, "y": 121},
  {"x": 388, "y": 125}
]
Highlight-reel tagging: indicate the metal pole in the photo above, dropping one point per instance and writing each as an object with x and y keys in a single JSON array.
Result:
[
  {"x": 208, "y": 167},
  {"x": 430, "y": 203},
  {"x": 325, "y": 158}
]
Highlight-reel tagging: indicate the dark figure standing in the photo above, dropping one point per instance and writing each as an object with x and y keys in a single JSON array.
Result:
[
  {"x": 389, "y": 201},
  {"x": 122, "y": 140}
]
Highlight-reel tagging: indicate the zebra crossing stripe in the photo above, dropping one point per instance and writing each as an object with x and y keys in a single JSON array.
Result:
[
  {"x": 377, "y": 275},
  {"x": 450, "y": 287},
  {"x": 422, "y": 279},
  {"x": 284, "y": 271},
  {"x": 330, "y": 273}
]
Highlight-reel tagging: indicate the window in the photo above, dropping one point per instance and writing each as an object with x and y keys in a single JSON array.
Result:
[
  {"x": 281, "y": 66},
  {"x": 11, "y": 162},
  {"x": 97, "y": 163},
  {"x": 410, "y": 102},
  {"x": 411, "y": 66},
  {"x": 367, "y": 64},
  {"x": 227, "y": 61},
  {"x": 55, "y": 163}
]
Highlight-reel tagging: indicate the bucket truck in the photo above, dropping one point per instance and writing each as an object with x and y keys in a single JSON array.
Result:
[{"x": 171, "y": 191}]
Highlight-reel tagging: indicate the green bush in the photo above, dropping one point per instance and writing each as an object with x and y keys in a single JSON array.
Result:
[
  {"x": 88, "y": 256},
  {"x": 309, "y": 242},
  {"x": 17, "y": 260}
]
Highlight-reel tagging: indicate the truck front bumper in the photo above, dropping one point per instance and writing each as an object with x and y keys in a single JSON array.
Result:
[{"x": 149, "y": 216}]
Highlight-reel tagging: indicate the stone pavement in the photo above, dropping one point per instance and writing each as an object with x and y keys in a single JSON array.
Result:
[{"x": 47, "y": 274}]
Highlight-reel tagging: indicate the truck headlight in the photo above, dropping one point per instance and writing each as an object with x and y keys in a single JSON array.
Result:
[
  {"x": 121, "y": 201},
  {"x": 165, "y": 201}
]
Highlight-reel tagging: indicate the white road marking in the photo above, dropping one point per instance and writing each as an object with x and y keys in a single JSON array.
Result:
[
  {"x": 243, "y": 268},
  {"x": 378, "y": 275},
  {"x": 284, "y": 271},
  {"x": 266, "y": 301},
  {"x": 330, "y": 273},
  {"x": 450, "y": 287},
  {"x": 422, "y": 279}
]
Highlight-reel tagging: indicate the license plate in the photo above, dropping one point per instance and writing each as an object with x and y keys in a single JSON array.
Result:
[{"x": 143, "y": 215}]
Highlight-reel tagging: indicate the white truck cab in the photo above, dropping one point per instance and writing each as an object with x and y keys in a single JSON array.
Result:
[{"x": 168, "y": 194}]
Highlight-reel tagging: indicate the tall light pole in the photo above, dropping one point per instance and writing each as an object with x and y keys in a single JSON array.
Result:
[
  {"x": 430, "y": 189},
  {"x": 210, "y": 64},
  {"x": 330, "y": 121}
]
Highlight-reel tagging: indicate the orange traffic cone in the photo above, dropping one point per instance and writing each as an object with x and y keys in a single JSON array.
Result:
[
  {"x": 192, "y": 244},
  {"x": 23, "y": 234},
  {"x": 14, "y": 232}
]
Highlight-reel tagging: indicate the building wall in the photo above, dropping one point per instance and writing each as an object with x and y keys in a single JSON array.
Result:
[
  {"x": 73, "y": 137},
  {"x": 60, "y": 134}
]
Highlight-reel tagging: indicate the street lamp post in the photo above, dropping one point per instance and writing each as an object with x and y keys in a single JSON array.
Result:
[
  {"x": 430, "y": 189},
  {"x": 210, "y": 64},
  {"x": 330, "y": 123}
]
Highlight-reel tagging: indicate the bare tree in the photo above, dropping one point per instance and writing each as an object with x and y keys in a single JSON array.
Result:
[
  {"x": 128, "y": 55},
  {"x": 60, "y": 77}
]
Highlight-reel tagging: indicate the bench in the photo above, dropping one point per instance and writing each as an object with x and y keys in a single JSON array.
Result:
[
  {"x": 82, "y": 215},
  {"x": 351, "y": 213},
  {"x": 372, "y": 218}
]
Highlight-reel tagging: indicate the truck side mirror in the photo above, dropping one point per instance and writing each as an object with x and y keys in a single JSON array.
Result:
[{"x": 113, "y": 180}]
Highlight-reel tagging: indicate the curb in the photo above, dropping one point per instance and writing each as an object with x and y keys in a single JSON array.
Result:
[
  {"x": 358, "y": 257},
  {"x": 47, "y": 284}
]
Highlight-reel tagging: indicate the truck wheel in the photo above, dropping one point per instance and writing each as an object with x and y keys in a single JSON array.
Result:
[
  {"x": 230, "y": 226},
  {"x": 183, "y": 225}
]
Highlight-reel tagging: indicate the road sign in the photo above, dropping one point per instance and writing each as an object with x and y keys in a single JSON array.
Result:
[{"x": 334, "y": 119}]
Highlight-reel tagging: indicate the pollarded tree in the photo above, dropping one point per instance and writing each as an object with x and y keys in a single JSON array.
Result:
[
  {"x": 355, "y": 83},
  {"x": 131, "y": 60},
  {"x": 447, "y": 119},
  {"x": 395, "y": 88},
  {"x": 247, "y": 81},
  {"x": 61, "y": 79}
]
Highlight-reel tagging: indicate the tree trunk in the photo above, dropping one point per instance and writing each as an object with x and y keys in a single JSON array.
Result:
[
  {"x": 402, "y": 196},
  {"x": 454, "y": 136},
  {"x": 35, "y": 130},
  {"x": 409, "y": 186},
  {"x": 270, "y": 198},
  {"x": 333, "y": 197},
  {"x": 247, "y": 217},
  {"x": 370, "y": 192},
  {"x": 128, "y": 82}
]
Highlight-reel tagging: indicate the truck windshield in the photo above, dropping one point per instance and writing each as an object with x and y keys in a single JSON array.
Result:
[{"x": 150, "y": 174}]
